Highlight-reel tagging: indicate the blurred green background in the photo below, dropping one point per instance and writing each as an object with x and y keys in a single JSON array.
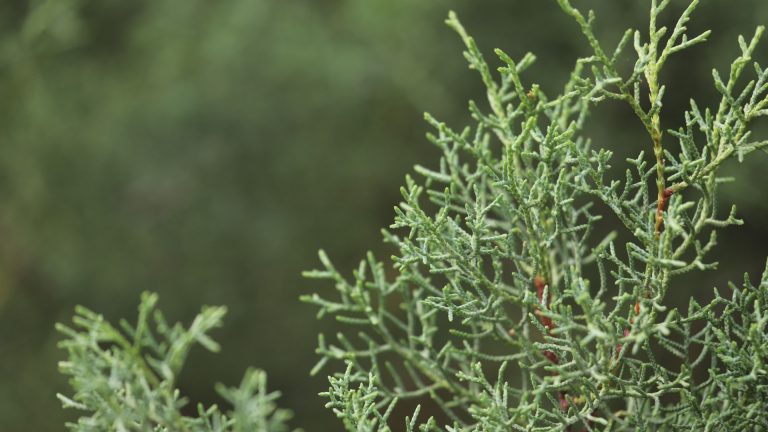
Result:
[{"x": 205, "y": 150}]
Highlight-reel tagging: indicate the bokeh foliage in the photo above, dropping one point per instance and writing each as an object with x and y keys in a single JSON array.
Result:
[{"x": 205, "y": 150}]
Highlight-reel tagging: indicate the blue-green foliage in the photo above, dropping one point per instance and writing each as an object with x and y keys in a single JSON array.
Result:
[
  {"x": 502, "y": 309},
  {"x": 125, "y": 377},
  {"x": 491, "y": 313}
]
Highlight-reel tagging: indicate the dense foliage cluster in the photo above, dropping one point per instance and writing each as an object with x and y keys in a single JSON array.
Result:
[
  {"x": 126, "y": 376},
  {"x": 503, "y": 308}
]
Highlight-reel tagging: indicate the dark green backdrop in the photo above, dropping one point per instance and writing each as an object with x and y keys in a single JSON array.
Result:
[{"x": 206, "y": 150}]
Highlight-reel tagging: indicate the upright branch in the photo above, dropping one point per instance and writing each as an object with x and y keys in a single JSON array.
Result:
[
  {"x": 655, "y": 63},
  {"x": 652, "y": 69}
]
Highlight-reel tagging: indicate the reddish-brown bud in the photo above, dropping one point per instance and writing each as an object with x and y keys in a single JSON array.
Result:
[
  {"x": 551, "y": 357},
  {"x": 665, "y": 194}
]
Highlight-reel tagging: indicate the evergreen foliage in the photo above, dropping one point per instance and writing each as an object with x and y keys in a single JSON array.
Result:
[
  {"x": 125, "y": 377},
  {"x": 502, "y": 308}
]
